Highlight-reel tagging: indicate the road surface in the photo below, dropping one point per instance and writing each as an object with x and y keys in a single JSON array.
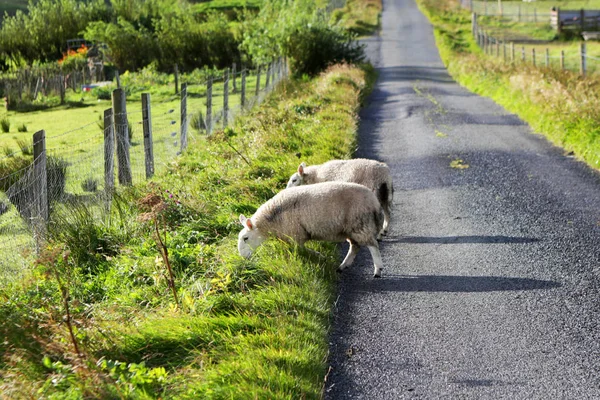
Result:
[{"x": 491, "y": 285}]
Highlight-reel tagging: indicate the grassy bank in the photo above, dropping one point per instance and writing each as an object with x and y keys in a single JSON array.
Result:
[
  {"x": 561, "y": 105},
  {"x": 100, "y": 316},
  {"x": 359, "y": 16}
]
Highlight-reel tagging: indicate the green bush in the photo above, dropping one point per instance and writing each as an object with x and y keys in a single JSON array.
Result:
[
  {"x": 103, "y": 92},
  {"x": 301, "y": 31},
  {"x": 184, "y": 41},
  {"x": 313, "y": 48}
]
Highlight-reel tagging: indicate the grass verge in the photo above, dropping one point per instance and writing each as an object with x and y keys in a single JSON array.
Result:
[
  {"x": 361, "y": 17},
  {"x": 100, "y": 317},
  {"x": 562, "y": 105}
]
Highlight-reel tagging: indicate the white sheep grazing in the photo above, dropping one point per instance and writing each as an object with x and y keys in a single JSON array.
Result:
[
  {"x": 329, "y": 211},
  {"x": 373, "y": 174}
]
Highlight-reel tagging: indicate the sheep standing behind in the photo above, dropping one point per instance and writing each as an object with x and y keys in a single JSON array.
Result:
[
  {"x": 329, "y": 211},
  {"x": 370, "y": 173}
]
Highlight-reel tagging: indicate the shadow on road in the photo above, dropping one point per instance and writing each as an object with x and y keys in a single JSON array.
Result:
[
  {"x": 446, "y": 283},
  {"x": 458, "y": 239}
]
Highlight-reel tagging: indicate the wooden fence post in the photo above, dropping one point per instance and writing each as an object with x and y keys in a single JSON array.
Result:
[
  {"x": 148, "y": 143},
  {"x": 109, "y": 152},
  {"x": 225, "y": 97},
  {"x": 523, "y": 53},
  {"x": 184, "y": 124},
  {"x": 209, "y": 106},
  {"x": 547, "y": 57},
  {"x": 243, "y": 94},
  {"x": 118, "y": 77},
  {"x": 485, "y": 42},
  {"x": 562, "y": 60},
  {"x": 268, "y": 79},
  {"x": 233, "y": 74},
  {"x": 61, "y": 88},
  {"x": 582, "y": 66},
  {"x": 257, "y": 81},
  {"x": 176, "y": 73},
  {"x": 512, "y": 51},
  {"x": 582, "y": 19},
  {"x": 40, "y": 189},
  {"x": 122, "y": 135},
  {"x": 533, "y": 56}
]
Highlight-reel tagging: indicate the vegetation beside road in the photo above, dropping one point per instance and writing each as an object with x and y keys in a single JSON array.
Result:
[
  {"x": 562, "y": 105},
  {"x": 231, "y": 328}
]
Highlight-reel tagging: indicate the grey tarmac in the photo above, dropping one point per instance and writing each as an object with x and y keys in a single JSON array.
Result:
[{"x": 491, "y": 279}]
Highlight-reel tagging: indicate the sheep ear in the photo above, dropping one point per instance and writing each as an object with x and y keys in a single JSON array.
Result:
[
  {"x": 301, "y": 169},
  {"x": 243, "y": 219},
  {"x": 249, "y": 224}
]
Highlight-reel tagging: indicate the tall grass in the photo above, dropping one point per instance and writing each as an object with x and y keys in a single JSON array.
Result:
[{"x": 562, "y": 105}]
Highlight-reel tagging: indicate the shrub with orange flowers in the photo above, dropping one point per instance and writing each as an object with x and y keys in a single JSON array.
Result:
[{"x": 74, "y": 59}]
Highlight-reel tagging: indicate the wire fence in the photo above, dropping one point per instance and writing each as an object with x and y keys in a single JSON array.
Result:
[
  {"x": 126, "y": 148},
  {"x": 515, "y": 11},
  {"x": 577, "y": 60}
]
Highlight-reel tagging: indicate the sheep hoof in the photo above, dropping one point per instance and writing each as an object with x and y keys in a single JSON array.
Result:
[{"x": 377, "y": 274}]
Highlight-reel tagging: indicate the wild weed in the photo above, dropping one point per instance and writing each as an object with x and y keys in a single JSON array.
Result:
[
  {"x": 5, "y": 124},
  {"x": 25, "y": 146}
]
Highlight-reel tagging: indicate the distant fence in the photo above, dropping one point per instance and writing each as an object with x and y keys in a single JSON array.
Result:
[
  {"x": 581, "y": 20},
  {"x": 29, "y": 84},
  {"x": 89, "y": 163},
  {"x": 511, "y": 10},
  {"x": 509, "y": 52}
]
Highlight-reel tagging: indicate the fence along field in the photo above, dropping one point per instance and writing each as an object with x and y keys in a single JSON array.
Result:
[
  {"x": 88, "y": 163},
  {"x": 576, "y": 58}
]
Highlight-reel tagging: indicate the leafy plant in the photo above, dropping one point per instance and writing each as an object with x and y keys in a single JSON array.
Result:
[
  {"x": 155, "y": 208},
  {"x": 133, "y": 378},
  {"x": 22, "y": 128},
  {"x": 57, "y": 261}
]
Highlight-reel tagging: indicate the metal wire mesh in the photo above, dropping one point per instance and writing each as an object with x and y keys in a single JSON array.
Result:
[{"x": 84, "y": 163}]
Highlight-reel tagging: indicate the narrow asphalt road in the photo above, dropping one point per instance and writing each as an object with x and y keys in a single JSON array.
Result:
[{"x": 491, "y": 285}]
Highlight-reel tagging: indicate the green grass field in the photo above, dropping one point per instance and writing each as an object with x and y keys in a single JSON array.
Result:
[{"x": 74, "y": 134}]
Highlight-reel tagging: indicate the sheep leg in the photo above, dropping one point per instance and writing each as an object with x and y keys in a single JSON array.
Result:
[
  {"x": 377, "y": 262},
  {"x": 352, "y": 251},
  {"x": 386, "y": 221}
]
